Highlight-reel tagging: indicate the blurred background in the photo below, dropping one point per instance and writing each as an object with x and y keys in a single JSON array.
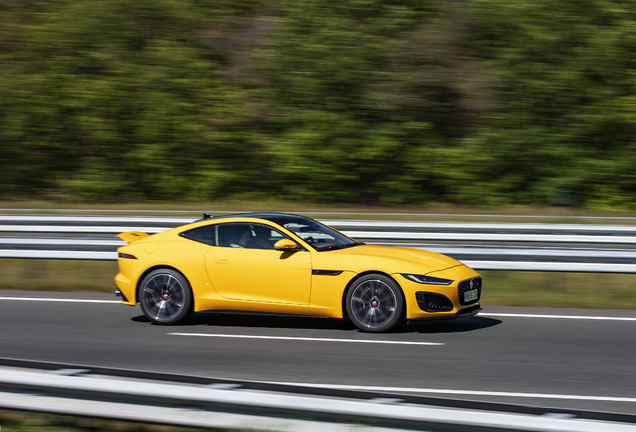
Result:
[
  {"x": 418, "y": 102},
  {"x": 363, "y": 104}
]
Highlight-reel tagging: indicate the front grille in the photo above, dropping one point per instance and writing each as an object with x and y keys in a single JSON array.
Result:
[{"x": 469, "y": 285}]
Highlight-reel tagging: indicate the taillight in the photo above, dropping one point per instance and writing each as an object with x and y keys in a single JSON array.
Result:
[{"x": 127, "y": 256}]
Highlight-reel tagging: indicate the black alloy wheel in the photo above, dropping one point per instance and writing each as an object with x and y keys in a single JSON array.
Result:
[
  {"x": 165, "y": 296},
  {"x": 375, "y": 303}
]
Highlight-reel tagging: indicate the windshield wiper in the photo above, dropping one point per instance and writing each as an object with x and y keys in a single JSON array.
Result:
[{"x": 342, "y": 246}]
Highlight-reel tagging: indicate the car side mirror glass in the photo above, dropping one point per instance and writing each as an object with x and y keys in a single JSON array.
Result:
[{"x": 286, "y": 245}]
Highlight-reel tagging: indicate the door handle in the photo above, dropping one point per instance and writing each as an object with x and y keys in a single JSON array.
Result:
[{"x": 219, "y": 261}]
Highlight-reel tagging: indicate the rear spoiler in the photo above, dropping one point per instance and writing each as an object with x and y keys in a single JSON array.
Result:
[{"x": 132, "y": 236}]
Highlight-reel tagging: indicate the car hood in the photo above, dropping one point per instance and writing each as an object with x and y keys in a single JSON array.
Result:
[{"x": 388, "y": 258}]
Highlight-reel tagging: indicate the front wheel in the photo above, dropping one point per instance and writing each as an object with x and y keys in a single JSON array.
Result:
[
  {"x": 165, "y": 296},
  {"x": 375, "y": 303}
]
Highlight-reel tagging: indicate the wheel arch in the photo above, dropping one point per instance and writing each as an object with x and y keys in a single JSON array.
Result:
[{"x": 343, "y": 300}]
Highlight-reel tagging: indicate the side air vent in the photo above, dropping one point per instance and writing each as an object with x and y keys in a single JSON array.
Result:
[{"x": 433, "y": 302}]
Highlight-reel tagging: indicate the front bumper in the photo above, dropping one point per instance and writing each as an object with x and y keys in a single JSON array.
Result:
[
  {"x": 424, "y": 301},
  {"x": 463, "y": 313}
]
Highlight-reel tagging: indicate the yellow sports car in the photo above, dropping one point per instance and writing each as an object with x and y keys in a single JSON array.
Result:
[{"x": 288, "y": 264}]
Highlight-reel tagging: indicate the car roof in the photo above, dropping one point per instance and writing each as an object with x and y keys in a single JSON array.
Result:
[{"x": 277, "y": 218}]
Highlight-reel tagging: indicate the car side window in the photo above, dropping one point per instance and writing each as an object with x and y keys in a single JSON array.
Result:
[
  {"x": 247, "y": 235},
  {"x": 206, "y": 234}
]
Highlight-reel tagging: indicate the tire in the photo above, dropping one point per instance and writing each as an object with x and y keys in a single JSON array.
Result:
[
  {"x": 165, "y": 296},
  {"x": 375, "y": 303}
]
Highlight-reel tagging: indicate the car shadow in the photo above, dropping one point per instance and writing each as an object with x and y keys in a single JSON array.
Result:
[
  {"x": 258, "y": 321},
  {"x": 315, "y": 323},
  {"x": 452, "y": 325},
  {"x": 270, "y": 321}
]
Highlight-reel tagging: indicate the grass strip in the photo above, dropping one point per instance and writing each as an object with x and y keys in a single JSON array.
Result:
[
  {"x": 504, "y": 288},
  {"x": 20, "y": 421},
  {"x": 559, "y": 289},
  {"x": 57, "y": 275}
]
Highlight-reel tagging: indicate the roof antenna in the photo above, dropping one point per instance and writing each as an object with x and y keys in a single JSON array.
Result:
[{"x": 206, "y": 216}]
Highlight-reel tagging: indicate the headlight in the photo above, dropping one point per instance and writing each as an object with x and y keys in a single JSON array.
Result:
[{"x": 427, "y": 279}]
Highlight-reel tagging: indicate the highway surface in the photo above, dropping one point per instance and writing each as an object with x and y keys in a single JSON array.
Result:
[{"x": 559, "y": 358}]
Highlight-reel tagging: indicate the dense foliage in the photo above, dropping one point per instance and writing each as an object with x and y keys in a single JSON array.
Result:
[{"x": 476, "y": 102}]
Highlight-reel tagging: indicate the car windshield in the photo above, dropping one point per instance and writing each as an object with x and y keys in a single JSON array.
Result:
[{"x": 320, "y": 236}]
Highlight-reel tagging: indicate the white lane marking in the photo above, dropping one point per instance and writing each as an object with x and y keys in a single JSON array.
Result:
[
  {"x": 306, "y": 339},
  {"x": 59, "y": 300},
  {"x": 459, "y": 392},
  {"x": 79, "y": 229},
  {"x": 401, "y": 235},
  {"x": 579, "y": 317},
  {"x": 58, "y": 254}
]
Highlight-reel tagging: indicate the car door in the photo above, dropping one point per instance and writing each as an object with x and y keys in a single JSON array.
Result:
[{"x": 244, "y": 265}]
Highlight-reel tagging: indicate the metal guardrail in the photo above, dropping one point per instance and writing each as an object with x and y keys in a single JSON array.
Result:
[
  {"x": 483, "y": 246},
  {"x": 195, "y": 402}
]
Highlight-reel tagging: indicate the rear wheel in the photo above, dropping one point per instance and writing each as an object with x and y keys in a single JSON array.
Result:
[
  {"x": 375, "y": 303},
  {"x": 165, "y": 296}
]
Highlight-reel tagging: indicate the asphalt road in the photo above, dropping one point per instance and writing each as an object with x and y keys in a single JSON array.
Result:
[{"x": 559, "y": 361}]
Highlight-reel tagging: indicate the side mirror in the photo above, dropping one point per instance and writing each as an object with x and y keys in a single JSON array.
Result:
[{"x": 286, "y": 245}]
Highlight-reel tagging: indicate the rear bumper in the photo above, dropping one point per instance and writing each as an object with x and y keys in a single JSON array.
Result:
[
  {"x": 121, "y": 296},
  {"x": 125, "y": 289}
]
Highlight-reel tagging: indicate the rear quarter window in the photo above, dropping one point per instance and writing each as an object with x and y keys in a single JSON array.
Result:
[{"x": 206, "y": 234}]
